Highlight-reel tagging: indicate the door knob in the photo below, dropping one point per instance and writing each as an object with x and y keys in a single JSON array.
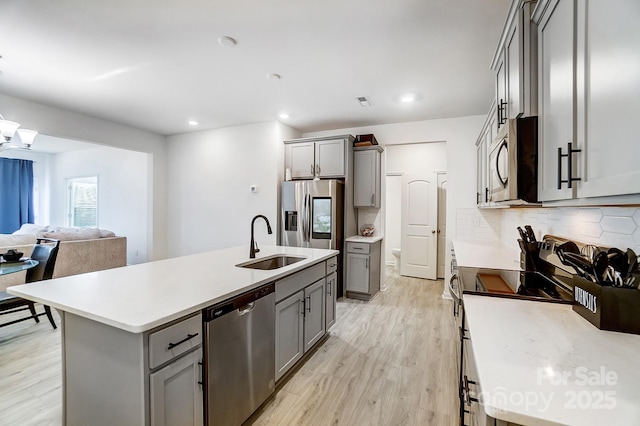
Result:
[{"x": 433, "y": 232}]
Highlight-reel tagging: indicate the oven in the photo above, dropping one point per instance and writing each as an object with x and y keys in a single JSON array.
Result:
[{"x": 513, "y": 163}]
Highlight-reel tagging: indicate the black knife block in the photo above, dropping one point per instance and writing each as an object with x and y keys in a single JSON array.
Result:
[
  {"x": 608, "y": 308},
  {"x": 529, "y": 255}
]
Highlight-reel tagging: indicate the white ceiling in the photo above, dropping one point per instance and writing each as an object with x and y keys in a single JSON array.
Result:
[{"x": 154, "y": 64}]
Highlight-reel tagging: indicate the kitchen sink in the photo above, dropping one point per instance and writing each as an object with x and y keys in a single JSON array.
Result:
[{"x": 271, "y": 262}]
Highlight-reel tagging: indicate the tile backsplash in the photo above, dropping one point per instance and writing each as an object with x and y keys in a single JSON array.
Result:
[
  {"x": 370, "y": 215},
  {"x": 606, "y": 226}
]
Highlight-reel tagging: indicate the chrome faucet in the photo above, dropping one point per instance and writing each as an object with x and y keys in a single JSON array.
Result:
[{"x": 254, "y": 246}]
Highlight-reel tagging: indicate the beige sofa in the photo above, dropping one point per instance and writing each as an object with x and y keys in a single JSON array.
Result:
[{"x": 74, "y": 256}]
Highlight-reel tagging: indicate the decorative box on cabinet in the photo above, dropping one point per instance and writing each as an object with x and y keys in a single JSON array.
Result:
[
  {"x": 325, "y": 157},
  {"x": 589, "y": 99},
  {"x": 363, "y": 267},
  {"x": 515, "y": 65},
  {"x": 366, "y": 181}
]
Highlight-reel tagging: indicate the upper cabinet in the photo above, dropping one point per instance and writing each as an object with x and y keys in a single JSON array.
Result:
[
  {"x": 514, "y": 64},
  {"x": 589, "y": 97},
  {"x": 317, "y": 157},
  {"x": 489, "y": 131},
  {"x": 366, "y": 180}
]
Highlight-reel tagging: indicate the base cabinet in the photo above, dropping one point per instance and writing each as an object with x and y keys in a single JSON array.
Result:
[
  {"x": 332, "y": 288},
  {"x": 289, "y": 332},
  {"x": 304, "y": 301},
  {"x": 176, "y": 392},
  {"x": 314, "y": 314},
  {"x": 363, "y": 269}
]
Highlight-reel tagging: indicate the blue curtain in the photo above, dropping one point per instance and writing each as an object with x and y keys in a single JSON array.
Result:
[{"x": 16, "y": 194}]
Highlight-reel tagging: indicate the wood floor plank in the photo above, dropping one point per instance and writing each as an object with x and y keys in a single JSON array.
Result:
[{"x": 387, "y": 361}]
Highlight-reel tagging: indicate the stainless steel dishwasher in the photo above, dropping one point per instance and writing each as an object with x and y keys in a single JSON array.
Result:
[{"x": 240, "y": 355}]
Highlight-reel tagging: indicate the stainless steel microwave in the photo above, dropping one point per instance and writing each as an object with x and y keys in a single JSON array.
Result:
[{"x": 513, "y": 163}]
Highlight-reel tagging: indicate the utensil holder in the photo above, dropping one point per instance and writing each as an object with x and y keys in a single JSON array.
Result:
[{"x": 608, "y": 308}]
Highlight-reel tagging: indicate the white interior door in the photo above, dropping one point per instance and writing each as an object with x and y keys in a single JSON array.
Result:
[
  {"x": 442, "y": 222},
  {"x": 418, "y": 256}
]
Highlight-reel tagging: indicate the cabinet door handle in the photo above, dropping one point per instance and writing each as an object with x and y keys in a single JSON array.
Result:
[
  {"x": 309, "y": 304},
  {"x": 312, "y": 169},
  {"x": 367, "y": 263},
  {"x": 570, "y": 179},
  {"x": 318, "y": 168},
  {"x": 201, "y": 373},
  {"x": 189, "y": 337},
  {"x": 329, "y": 284},
  {"x": 303, "y": 307},
  {"x": 373, "y": 199},
  {"x": 486, "y": 195}
]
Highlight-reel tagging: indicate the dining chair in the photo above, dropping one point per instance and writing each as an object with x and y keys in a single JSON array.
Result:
[{"x": 46, "y": 254}]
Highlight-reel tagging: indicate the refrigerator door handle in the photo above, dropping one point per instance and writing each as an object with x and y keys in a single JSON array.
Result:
[
  {"x": 308, "y": 217},
  {"x": 305, "y": 219}
]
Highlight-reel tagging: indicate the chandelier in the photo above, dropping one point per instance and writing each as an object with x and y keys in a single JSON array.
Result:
[{"x": 8, "y": 139}]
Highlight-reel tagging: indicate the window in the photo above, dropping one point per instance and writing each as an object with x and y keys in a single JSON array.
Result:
[{"x": 82, "y": 202}]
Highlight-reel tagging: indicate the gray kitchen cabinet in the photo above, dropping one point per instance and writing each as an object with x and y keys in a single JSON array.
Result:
[
  {"x": 176, "y": 396},
  {"x": 325, "y": 157},
  {"x": 300, "y": 315},
  {"x": 589, "y": 97},
  {"x": 289, "y": 332},
  {"x": 154, "y": 376},
  {"x": 366, "y": 179},
  {"x": 483, "y": 143},
  {"x": 332, "y": 288},
  {"x": 514, "y": 64},
  {"x": 300, "y": 159},
  {"x": 314, "y": 313},
  {"x": 363, "y": 269}
]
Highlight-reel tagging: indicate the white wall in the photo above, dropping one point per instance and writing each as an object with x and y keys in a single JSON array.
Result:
[
  {"x": 209, "y": 175},
  {"x": 122, "y": 192},
  {"x": 64, "y": 124},
  {"x": 460, "y": 135}
]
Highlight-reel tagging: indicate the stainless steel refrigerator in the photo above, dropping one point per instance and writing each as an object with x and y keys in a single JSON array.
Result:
[{"x": 312, "y": 215}]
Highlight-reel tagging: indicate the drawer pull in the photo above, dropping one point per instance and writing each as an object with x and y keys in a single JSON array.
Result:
[
  {"x": 189, "y": 337},
  {"x": 358, "y": 248}
]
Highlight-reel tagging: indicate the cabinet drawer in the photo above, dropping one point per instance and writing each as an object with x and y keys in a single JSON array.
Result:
[
  {"x": 174, "y": 340},
  {"x": 358, "y": 248},
  {"x": 332, "y": 265},
  {"x": 296, "y": 282}
]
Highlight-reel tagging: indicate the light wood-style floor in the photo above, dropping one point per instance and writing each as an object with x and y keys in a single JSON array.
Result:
[{"x": 389, "y": 361}]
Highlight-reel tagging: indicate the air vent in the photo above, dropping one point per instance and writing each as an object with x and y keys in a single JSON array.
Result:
[{"x": 363, "y": 101}]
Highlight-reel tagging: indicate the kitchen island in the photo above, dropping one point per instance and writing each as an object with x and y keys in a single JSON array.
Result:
[{"x": 116, "y": 325}]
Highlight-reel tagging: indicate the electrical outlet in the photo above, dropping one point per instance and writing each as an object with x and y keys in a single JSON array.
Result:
[{"x": 253, "y": 188}]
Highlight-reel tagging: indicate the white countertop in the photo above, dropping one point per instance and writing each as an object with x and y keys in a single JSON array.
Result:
[
  {"x": 363, "y": 239},
  {"x": 522, "y": 349},
  {"x": 140, "y": 297},
  {"x": 486, "y": 254}
]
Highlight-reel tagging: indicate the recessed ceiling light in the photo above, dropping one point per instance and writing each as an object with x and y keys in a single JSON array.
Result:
[
  {"x": 363, "y": 101},
  {"x": 227, "y": 41},
  {"x": 274, "y": 77},
  {"x": 193, "y": 122},
  {"x": 284, "y": 115},
  {"x": 409, "y": 97}
]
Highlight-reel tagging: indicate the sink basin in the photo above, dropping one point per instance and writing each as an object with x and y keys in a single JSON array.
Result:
[{"x": 271, "y": 262}]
